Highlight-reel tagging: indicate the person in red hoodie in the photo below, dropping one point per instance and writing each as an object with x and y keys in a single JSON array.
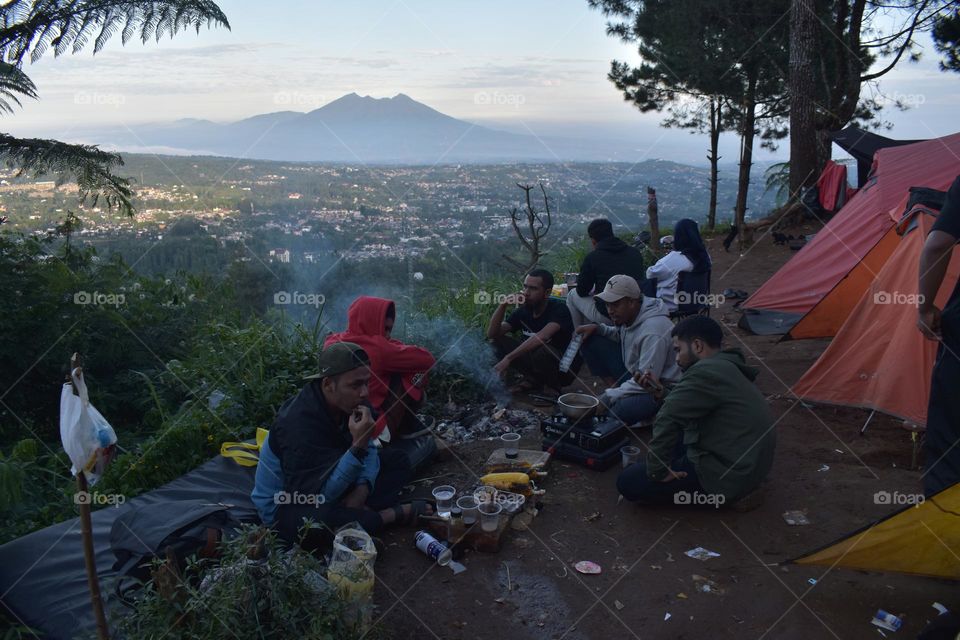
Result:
[{"x": 398, "y": 375}]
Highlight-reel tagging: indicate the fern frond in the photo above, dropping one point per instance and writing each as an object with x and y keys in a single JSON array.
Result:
[
  {"x": 86, "y": 164},
  {"x": 32, "y": 27}
]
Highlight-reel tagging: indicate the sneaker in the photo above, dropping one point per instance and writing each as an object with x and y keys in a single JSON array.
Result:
[{"x": 750, "y": 501}]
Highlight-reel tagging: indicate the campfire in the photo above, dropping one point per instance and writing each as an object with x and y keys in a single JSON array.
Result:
[{"x": 484, "y": 421}]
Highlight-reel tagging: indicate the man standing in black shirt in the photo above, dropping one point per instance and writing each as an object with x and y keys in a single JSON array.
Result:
[
  {"x": 547, "y": 328},
  {"x": 610, "y": 256},
  {"x": 942, "y": 448}
]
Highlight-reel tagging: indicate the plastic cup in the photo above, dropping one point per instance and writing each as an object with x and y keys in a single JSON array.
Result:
[
  {"x": 630, "y": 455},
  {"x": 489, "y": 516},
  {"x": 511, "y": 442},
  {"x": 485, "y": 494},
  {"x": 468, "y": 505},
  {"x": 444, "y": 497}
]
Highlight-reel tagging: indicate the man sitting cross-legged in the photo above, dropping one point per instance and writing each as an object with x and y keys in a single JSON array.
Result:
[
  {"x": 639, "y": 342},
  {"x": 610, "y": 255},
  {"x": 317, "y": 464},
  {"x": 713, "y": 435},
  {"x": 546, "y": 327}
]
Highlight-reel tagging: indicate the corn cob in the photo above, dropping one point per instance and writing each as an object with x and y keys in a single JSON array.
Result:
[{"x": 515, "y": 482}]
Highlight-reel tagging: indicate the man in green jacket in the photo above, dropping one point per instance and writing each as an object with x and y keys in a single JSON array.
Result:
[{"x": 713, "y": 438}]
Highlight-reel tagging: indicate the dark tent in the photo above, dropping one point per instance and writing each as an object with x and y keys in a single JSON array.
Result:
[
  {"x": 43, "y": 581},
  {"x": 862, "y": 145}
]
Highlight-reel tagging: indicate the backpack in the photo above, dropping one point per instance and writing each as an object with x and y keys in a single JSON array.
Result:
[{"x": 188, "y": 527}]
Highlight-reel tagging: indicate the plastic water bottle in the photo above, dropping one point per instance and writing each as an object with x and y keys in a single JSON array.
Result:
[{"x": 571, "y": 352}]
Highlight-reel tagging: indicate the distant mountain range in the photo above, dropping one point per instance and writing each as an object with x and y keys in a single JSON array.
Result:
[{"x": 397, "y": 130}]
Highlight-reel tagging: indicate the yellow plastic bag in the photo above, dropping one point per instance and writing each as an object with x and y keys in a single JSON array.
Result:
[{"x": 245, "y": 454}]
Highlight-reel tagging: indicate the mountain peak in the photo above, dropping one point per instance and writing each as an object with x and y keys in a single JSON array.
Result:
[
  {"x": 353, "y": 96},
  {"x": 400, "y": 107}
]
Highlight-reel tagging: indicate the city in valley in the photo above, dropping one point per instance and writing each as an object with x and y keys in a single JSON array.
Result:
[{"x": 305, "y": 213}]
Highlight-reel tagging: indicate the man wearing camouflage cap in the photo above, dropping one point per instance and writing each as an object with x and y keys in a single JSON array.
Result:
[{"x": 317, "y": 462}]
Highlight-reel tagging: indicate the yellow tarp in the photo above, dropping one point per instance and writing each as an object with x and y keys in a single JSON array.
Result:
[{"x": 921, "y": 540}]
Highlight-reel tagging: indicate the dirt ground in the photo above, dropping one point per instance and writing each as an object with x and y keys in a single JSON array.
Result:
[{"x": 530, "y": 589}]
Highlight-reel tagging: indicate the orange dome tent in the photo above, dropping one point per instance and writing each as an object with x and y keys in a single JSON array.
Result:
[
  {"x": 850, "y": 235},
  {"x": 879, "y": 360},
  {"x": 827, "y": 316}
]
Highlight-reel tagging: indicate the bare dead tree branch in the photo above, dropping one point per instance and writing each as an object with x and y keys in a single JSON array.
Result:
[{"x": 537, "y": 223}]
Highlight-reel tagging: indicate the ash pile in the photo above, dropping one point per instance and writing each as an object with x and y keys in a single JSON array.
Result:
[{"x": 466, "y": 423}]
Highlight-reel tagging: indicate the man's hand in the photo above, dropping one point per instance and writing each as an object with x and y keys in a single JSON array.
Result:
[
  {"x": 650, "y": 382},
  {"x": 501, "y": 367},
  {"x": 673, "y": 475},
  {"x": 928, "y": 322},
  {"x": 361, "y": 425},
  {"x": 587, "y": 330}
]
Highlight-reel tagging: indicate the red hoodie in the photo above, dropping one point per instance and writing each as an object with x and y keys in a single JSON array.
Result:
[{"x": 366, "y": 321}]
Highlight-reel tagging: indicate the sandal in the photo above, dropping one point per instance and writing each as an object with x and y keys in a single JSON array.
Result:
[{"x": 417, "y": 508}]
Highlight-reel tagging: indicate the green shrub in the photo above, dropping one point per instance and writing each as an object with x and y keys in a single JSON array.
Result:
[
  {"x": 253, "y": 368},
  {"x": 280, "y": 595}
]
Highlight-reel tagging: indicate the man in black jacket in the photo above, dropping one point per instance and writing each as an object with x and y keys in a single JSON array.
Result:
[
  {"x": 610, "y": 256},
  {"x": 317, "y": 463},
  {"x": 942, "y": 444}
]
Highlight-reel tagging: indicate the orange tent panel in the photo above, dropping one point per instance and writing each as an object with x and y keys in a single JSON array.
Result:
[
  {"x": 879, "y": 359},
  {"x": 826, "y": 318},
  {"x": 850, "y": 235}
]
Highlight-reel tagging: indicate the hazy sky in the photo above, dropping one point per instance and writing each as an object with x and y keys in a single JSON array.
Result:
[{"x": 537, "y": 66}]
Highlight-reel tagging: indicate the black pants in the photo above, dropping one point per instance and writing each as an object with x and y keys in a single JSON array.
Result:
[
  {"x": 394, "y": 473},
  {"x": 942, "y": 443},
  {"x": 634, "y": 485},
  {"x": 541, "y": 365}
]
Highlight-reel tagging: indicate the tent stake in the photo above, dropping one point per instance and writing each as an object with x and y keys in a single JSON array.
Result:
[{"x": 863, "y": 429}]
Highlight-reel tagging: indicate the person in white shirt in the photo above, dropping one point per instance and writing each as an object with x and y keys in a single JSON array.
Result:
[{"x": 689, "y": 255}]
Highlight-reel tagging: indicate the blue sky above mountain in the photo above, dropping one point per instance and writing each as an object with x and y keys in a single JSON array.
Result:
[{"x": 534, "y": 68}]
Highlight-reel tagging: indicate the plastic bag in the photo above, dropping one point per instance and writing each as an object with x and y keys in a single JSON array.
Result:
[
  {"x": 351, "y": 569},
  {"x": 87, "y": 437}
]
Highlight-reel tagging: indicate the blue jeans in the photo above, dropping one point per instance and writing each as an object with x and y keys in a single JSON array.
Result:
[
  {"x": 635, "y": 408},
  {"x": 603, "y": 357},
  {"x": 634, "y": 485}
]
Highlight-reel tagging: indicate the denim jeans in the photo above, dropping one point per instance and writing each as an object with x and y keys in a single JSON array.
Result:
[
  {"x": 634, "y": 484},
  {"x": 603, "y": 357},
  {"x": 635, "y": 408}
]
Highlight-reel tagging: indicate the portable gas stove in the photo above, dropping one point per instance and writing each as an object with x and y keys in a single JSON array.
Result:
[{"x": 594, "y": 442}]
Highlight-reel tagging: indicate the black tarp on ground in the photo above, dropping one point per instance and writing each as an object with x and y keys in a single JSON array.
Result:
[
  {"x": 862, "y": 145},
  {"x": 43, "y": 582}
]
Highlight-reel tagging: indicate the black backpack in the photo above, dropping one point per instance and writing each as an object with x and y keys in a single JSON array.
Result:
[{"x": 188, "y": 527}]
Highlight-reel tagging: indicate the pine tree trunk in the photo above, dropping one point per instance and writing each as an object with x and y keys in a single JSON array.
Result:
[
  {"x": 823, "y": 145},
  {"x": 746, "y": 156},
  {"x": 715, "y": 114},
  {"x": 805, "y": 149}
]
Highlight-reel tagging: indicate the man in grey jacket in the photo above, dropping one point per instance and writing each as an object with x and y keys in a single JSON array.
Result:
[{"x": 638, "y": 342}]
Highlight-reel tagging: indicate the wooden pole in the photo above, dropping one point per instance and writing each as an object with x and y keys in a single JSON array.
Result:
[
  {"x": 86, "y": 532},
  {"x": 653, "y": 217}
]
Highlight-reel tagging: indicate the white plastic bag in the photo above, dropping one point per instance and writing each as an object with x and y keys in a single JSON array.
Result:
[
  {"x": 351, "y": 570},
  {"x": 86, "y": 435}
]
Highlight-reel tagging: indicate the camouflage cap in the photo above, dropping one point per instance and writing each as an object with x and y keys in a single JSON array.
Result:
[{"x": 338, "y": 358}]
